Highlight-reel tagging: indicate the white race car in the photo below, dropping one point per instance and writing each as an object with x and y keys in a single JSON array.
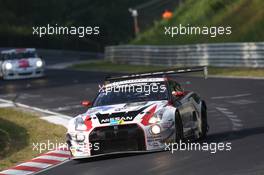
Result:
[
  {"x": 21, "y": 63},
  {"x": 138, "y": 113}
]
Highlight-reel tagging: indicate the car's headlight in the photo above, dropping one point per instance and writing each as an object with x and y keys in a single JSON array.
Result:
[
  {"x": 79, "y": 124},
  {"x": 155, "y": 129},
  {"x": 39, "y": 63},
  {"x": 8, "y": 66},
  {"x": 156, "y": 117}
]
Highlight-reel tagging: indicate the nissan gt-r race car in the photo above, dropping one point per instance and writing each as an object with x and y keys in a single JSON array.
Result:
[
  {"x": 137, "y": 113},
  {"x": 21, "y": 63}
]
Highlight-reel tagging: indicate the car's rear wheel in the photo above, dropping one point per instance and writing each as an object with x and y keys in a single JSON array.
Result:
[
  {"x": 178, "y": 127},
  {"x": 204, "y": 126}
]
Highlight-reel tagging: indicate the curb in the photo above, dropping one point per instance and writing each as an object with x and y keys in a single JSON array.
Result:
[
  {"x": 40, "y": 163},
  {"x": 44, "y": 161}
]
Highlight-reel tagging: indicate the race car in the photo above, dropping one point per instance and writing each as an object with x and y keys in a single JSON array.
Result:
[
  {"x": 138, "y": 113},
  {"x": 20, "y": 64}
]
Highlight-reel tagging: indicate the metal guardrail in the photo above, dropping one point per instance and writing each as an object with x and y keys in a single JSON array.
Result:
[{"x": 218, "y": 55}]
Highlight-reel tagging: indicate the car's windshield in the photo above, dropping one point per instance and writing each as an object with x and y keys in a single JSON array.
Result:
[
  {"x": 149, "y": 91},
  {"x": 13, "y": 56}
]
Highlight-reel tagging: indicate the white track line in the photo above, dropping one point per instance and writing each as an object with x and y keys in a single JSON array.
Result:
[
  {"x": 66, "y": 108},
  {"x": 236, "y": 122},
  {"x": 231, "y": 96},
  {"x": 5, "y": 105},
  {"x": 56, "y": 118}
]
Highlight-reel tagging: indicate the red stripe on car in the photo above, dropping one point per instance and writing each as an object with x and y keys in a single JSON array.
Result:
[
  {"x": 23, "y": 63},
  {"x": 88, "y": 123},
  {"x": 148, "y": 115}
]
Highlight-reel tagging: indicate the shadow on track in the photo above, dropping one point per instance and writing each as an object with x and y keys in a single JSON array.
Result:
[
  {"x": 111, "y": 156},
  {"x": 234, "y": 135},
  {"x": 212, "y": 138}
]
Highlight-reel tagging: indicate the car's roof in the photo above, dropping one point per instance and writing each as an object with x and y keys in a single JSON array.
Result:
[
  {"x": 21, "y": 50},
  {"x": 138, "y": 80}
]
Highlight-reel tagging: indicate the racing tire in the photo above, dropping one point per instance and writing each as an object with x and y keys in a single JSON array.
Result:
[
  {"x": 204, "y": 124},
  {"x": 178, "y": 127}
]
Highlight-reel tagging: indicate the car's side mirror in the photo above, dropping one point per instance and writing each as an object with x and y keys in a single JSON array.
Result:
[
  {"x": 86, "y": 103},
  {"x": 177, "y": 93}
]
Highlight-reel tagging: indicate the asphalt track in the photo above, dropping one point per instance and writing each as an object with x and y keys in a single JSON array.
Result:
[{"x": 235, "y": 114}]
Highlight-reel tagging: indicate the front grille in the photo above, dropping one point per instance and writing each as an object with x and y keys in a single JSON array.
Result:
[
  {"x": 117, "y": 138},
  {"x": 26, "y": 73}
]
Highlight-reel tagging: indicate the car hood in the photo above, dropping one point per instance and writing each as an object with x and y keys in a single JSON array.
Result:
[
  {"x": 124, "y": 107},
  {"x": 125, "y": 113}
]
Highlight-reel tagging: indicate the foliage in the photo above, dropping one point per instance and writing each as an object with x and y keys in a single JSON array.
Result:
[
  {"x": 18, "y": 17},
  {"x": 244, "y": 16}
]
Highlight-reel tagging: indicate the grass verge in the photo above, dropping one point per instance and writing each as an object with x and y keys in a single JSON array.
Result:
[
  {"x": 19, "y": 130},
  {"x": 245, "y": 72},
  {"x": 105, "y": 66},
  {"x": 244, "y": 16}
]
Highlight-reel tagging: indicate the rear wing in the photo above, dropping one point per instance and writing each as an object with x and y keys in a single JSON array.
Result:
[{"x": 160, "y": 73}]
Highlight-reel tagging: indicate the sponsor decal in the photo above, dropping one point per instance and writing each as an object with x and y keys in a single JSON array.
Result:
[
  {"x": 23, "y": 63},
  {"x": 148, "y": 115},
  {"x": 125, "y": 116},
  {"x": 117, "y": 120}
]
